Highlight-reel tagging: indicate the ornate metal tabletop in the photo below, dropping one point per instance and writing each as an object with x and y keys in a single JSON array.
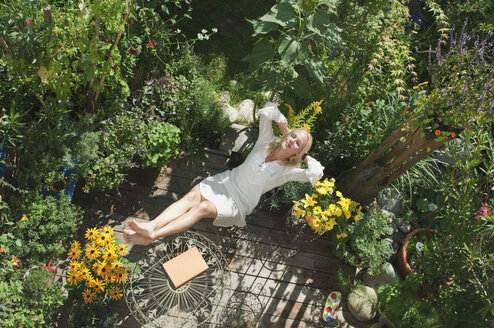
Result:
[{"x": 153, "y": 299}]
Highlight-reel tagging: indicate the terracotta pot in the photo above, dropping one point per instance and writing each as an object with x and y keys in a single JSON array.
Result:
[{"x": 401, "y": 257}]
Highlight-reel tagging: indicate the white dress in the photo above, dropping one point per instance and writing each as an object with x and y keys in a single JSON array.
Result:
[{"x": 236, "y": 193}]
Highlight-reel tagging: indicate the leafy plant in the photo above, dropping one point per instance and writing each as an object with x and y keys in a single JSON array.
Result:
[
  {"x": 32, "y": 302},
  {"x": 53, "y": 141},
  {"x": 366, "y": 245},
  {"x": 43, "y": 226},
  {"x": 294, "y": 35},
  {"x": 461, "y": 90},
  {"x": 162, "y": 141},
  {"x": 92, "y": 315}
]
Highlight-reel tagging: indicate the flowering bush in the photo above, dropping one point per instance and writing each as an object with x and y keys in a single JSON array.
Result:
[
  {"x": 327, "y": 208},
  {"x": 99, "y": 270},
  {"x": 305, "y": 118}
]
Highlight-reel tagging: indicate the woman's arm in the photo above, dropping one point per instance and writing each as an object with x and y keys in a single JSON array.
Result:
[{"x": 283, "y": 128}]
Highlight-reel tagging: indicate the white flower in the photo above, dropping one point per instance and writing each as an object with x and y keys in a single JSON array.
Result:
[
  {"x": 206, "y": 37},
  {"x": 204, "y": 31},
  {"x": 178, "y": 30},
  {"x": 215, "y": 30},
  {"x": 200, "y": 36}
]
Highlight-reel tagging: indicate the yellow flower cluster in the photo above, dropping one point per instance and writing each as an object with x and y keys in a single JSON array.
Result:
[
  {"x": 326, "y": 208},
  {"x": 306, "y": 118},
  {"x": 99, "y": 268}
]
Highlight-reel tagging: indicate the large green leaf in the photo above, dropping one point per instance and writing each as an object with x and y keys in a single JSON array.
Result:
[
  {"x": 285, "y": 12},
  {"x": 292, "y": 52},
  {"x": 315, "y": 69},
  {"x": 261, "y": 53},
  {"x": 301, "y": 87}
]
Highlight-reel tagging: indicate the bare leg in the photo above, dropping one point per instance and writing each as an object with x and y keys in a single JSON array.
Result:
[
  {"x": 171, "y": 213},
  {"x": 205, "y": 209}
]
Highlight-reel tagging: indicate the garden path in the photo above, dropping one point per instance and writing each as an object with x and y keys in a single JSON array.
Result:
[{"x": 267, "y": 284}]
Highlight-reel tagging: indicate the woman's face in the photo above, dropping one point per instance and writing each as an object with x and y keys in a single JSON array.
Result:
[{"x": 294, "y": 142}]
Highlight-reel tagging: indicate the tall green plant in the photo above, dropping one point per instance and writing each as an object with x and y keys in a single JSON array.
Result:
[{"x": 294, "y": 37}]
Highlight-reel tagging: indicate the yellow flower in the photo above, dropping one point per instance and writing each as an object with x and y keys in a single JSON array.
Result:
[
  {"x": 116, "y": 293},
  {"x": 343, "y": 235},
  {"x": 76, "y": 245},
  {"x": 86, "y": 274},
  {"x": 92, "y": 252},
  {"x": 73, "y": 277},
  {"x": 103, "y": 240},
  {"x": 97, "y": 284},
  {"x": 109, "y": 278},
  {"x": 330, "y": 224},
  {"x": 117, "y": 265},
  {"x": 24, "y": 218},
  {"x": 309, "y": 201},
  {"x": 337, "y": 211},
  {"x": 357, "y": 216},
  {"x": 291, "y": 112},
  {"x": 120, "y": 276},
  {"x": 92, "y": 234},
  {"x": 74, "y": 265},
  {"x": 317, "y": 210},
  {"x": 74, "y": 253},
  {"x": 88, "y": 296},
  {"x": 110, "y": 254},
  {"x": 107, "y": 230},
  {"x": 298, "y": 212},
  {"x": 338, "y": 194},
  {"x": 306, "y": 126},
  {"x": 121, "y": 249},
  {"x": 103, "y": 270}
]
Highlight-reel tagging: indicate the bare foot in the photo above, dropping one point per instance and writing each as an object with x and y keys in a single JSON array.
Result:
[
  {"x": 145, "y": 229},
  {"x": 133, "y": 238}
]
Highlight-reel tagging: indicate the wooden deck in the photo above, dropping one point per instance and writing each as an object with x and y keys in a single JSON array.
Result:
[{"x": 276, "y": 281}]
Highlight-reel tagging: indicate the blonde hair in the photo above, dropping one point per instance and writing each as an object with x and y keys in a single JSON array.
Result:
[{"x": 295, "y": 159}]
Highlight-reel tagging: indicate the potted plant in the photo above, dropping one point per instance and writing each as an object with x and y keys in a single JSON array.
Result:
[{"x": 413, "y": 246}]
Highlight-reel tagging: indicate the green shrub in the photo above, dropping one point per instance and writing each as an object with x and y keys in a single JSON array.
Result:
[
  {"x": 49, "y": 227},
  {"x": 89, "y": 315},
  {"x": 366, "y": 246},
  {"x": 30, "y": 303}
]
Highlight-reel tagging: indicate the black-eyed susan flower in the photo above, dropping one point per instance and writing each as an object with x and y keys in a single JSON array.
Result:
[
  {"x": 97, "y": 284},
  {"x": 104, "y": 270},
  {"x": 73, "y": 277},
  {"x": 92, "y": 252},
  {"x": 103, "y": 240},
  {"x": 74, "y": 253},
  {"x": 121, "y": 249},
  {"x": 107, "y": 230},
  {"x": 92, "y": 234},
  {"x": 88, "y": 295},
  {"x": 120, "y": 276},
  {"x": 116, "y": 293},
  {"x": 110, "y": 254},
  {"x": 117, "y": 265}
]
